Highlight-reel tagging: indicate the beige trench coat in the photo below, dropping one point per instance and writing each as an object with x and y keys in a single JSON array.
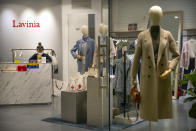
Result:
[{"x": 156, "y": 93}]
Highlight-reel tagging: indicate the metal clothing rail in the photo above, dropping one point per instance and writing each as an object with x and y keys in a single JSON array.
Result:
[
  {"x": 25, "y": 49},
  {"x": 123, "y": 37},
  {"x": 125, "y": 76}
]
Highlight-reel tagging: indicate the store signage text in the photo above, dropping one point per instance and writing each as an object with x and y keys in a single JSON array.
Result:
[{"x": 25, "y": 24}]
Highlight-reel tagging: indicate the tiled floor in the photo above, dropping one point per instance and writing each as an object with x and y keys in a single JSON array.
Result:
[
  {"x": 180, "y": 121},
  {"x": 28, "y": 118}
]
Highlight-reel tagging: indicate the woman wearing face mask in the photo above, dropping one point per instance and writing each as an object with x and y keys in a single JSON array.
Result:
[{"x": 38, "y": 56}]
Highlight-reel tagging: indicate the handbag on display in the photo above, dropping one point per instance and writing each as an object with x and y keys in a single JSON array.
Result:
[
  {"x": 93, "y": 71},
  {"x": 58, "y": 86},
  {"x": 134, "y": 96},
  {"x": 72, "y": 85},
  {"x": 78, "y": 83}
]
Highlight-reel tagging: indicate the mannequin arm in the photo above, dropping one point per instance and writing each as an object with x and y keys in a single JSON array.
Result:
[
  {"x": 79, "y": 57},
  {"x": 175, "y": 53},
  {"x": 74, "y": 49},
  {"x": 165, "y": 74}
]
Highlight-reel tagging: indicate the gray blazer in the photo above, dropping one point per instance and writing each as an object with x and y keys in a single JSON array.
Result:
[{"x": 89, "y": 52}]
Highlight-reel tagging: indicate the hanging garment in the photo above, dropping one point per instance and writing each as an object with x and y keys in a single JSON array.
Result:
[
  {"x": 156, "y": 94},
  {"x": 119, "y": 78},
  {"x": 192, "y": 48},
  {"x": 188, "y": 71},
  {"x": 187, "y": 53},
  {"x": 54, "y": 64},
  {"x": 119, "y": 81},
  {"x": 90, "y": 47}
]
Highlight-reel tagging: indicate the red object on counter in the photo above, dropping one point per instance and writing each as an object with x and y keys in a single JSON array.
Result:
[
  {"x": 22, "y": 68},
  {"x": 79, "y": 86},
  {"x": 72, "y": 87}
]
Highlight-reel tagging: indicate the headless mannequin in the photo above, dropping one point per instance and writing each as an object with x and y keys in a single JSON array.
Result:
[
  {"x": 155, "y": 13},
  {"x": 84, "y": 30}
]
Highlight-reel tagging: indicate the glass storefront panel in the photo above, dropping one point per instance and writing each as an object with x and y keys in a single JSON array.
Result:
[{"x": 128, "y": 19}]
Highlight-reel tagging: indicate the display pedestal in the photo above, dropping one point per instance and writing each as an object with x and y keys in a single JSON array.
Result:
[
  {"x": 97, "y": 103},
  {"x": 73, "y": 106}
]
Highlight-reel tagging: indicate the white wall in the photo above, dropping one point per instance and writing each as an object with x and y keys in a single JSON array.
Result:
[
  {"x": 67, "y": 9},
  {"x": 53, "y": 33},
  {"x": 130, "y": 11},
  {"x": 46, "y": 12},
  {"x": 105, "y": 16}
]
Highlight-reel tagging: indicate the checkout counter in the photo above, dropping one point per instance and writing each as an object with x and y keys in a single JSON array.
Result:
[
  {"x": 22, "y": 83},
  {"x": 33, "y": 86}
]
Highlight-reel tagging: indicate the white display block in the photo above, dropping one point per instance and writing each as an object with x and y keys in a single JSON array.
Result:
[
  {"x": 97, "y": 103},
  {"x": 73, "y": 106}
]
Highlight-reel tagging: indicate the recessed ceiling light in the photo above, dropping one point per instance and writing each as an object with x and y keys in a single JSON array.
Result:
[{"x": 176, "y": 17}]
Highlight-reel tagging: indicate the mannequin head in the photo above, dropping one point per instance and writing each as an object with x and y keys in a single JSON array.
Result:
[
  {"x": 155, "y": 13},
  {"x": 84, "y": 30},
  {"x": 103, "y": 29}
]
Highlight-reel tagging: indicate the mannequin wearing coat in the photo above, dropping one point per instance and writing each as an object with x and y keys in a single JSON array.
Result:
[
  {"x": 153, "y": 48},
  {"x": 103, "y": 30},
  {"x": 85, "y": 50}
]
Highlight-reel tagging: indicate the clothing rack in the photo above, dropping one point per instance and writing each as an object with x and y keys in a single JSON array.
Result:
[{"x": 13, "y": 50}]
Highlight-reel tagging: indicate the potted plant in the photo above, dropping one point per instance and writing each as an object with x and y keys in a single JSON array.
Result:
[{"x": 191, "y": 92}]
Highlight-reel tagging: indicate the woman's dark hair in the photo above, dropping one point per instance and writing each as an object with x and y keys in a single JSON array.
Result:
[{"x": 40, "y": 47}]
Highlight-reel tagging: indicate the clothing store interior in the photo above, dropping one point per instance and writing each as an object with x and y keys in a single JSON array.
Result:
[{"x": 82, "y": 65}]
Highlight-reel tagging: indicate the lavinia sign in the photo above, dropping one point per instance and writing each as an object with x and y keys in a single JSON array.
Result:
[{"x": 25, "y": 24}]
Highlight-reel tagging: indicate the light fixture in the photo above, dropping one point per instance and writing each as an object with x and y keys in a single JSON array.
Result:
[{"x": 176, "y": 17}]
